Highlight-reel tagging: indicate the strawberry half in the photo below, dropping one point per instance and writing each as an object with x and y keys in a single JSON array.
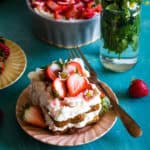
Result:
[
  {"x": 59, "y": 88},
  {"x": 76, "y": 84},
  {"x": 52, "y": 70},
  {"x": 74, "y": 67},
  {"x": 138, "y": 88},
  {"x": 34, "y": 116}
]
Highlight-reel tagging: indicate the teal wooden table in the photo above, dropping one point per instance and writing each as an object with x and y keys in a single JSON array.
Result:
[{"x": 15, "y": 24}]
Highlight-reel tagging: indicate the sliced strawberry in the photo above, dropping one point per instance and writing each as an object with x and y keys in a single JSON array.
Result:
[
  {"x": 88, "y": 13},
  {"x": 50, "y": 74},
  {"x": 59, "y": 88},
  {"x": 52, "y": 5},
  {"x": 79, "y": 6},
  {"x": 57, "y": 15},
  {"x": 55, "y": 67},
  {"x": 52, "y": 70},
  {"x": 74, "y": 67},
  {"x": 71, "y": 12},
  {"x": 90, "y": 4},
  {"x": 34, "y": 116},
  {"x": 63, "y": 2},
  {"x": 98, "y": 8},
  {"x": 76, "y": 84}
]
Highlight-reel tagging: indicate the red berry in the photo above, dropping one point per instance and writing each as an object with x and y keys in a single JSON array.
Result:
[{"x": 138, "y": 88}]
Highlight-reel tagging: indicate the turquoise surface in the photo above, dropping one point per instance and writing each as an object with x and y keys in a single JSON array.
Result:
[{"x": 15, "y": 24}]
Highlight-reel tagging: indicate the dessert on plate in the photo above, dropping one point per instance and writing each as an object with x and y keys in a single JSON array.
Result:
[{"x": 62, "y": 98}]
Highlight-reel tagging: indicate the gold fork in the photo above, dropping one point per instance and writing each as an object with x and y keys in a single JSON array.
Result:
[{"x": 131, "y": 126}]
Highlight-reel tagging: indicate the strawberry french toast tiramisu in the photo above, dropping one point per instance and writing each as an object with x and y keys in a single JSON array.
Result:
[{"x": 63, "y": 100}]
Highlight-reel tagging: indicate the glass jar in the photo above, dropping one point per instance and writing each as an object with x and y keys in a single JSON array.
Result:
[{"x": 120, "y": 26}]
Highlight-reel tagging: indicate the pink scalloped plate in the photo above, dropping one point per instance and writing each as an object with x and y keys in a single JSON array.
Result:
[{"x": 85, "y": 135}]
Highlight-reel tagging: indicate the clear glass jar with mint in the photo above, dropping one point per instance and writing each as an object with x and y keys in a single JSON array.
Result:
[{"x": 120, "y": 30}]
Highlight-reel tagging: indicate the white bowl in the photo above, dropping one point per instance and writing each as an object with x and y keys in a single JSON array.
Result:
[{"x": 64, "y": 33}]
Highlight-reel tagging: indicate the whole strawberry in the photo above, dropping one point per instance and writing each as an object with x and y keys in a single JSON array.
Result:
[{"x": 138, "y": 88}]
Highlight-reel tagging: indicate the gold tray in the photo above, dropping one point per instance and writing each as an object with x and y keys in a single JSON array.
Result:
[{"x": 15, "y": 65}]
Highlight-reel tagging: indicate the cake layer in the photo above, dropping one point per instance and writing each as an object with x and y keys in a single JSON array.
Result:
[
  {"x": 77, "y": 118},
  {"x": 62, "y": 110},
  {"x": 88, "y": 119}
]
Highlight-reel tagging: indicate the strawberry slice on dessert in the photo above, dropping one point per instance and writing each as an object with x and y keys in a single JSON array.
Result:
[
  {"x": 76, "y": 84},
  {"x": 59, "y": 88},
  {"x": 74, "y": 67},
  {"x": 52, "y": 70},
  {"x": 34, "y": 116}
]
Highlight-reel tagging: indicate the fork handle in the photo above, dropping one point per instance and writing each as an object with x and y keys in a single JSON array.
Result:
[{"x": 131, "y": 126}]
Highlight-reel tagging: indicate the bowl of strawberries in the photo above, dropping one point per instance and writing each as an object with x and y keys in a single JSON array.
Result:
[{"x": 66, "y": 23}]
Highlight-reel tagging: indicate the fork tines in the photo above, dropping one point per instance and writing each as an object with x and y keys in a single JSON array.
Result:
[{"x": 73, "y": 53}]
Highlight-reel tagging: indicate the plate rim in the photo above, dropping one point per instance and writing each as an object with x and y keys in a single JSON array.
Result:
[
  {"x": 46, "y": 142},
  {"x": 25, "y": 65}
]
